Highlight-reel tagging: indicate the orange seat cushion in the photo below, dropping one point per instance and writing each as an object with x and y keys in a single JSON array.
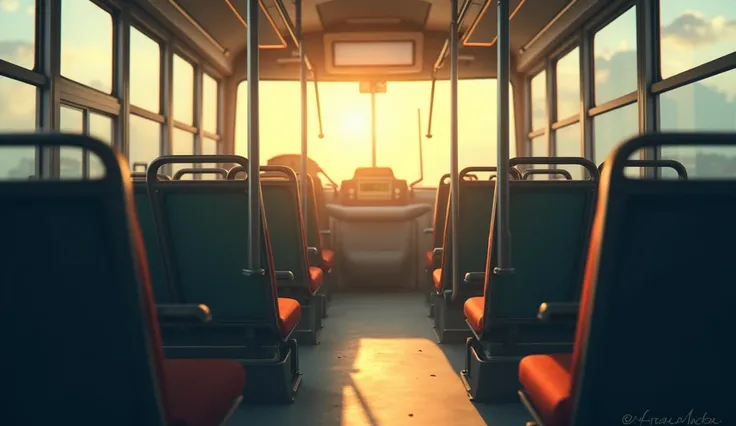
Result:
[
  {"x": 328, "y": 258},
  {"x": 316, "y": 277},
  {"x": 290, "y": 312},
  {"x": 201, "y": 392},
  {"x": 473, "y": 310},
  {"x": 437, "y": 278},
  {"x": 547, "y": 382},
  {"x": 428, "y": 259}
]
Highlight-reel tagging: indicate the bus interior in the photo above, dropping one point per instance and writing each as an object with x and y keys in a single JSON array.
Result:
[{"x": 353, "y": 212}]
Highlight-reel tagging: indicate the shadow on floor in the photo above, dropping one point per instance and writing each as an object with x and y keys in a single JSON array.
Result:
[{"x": 379, "y": 365}]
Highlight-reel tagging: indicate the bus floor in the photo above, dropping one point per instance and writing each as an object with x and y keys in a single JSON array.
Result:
[{"x": 378, "y": 365}]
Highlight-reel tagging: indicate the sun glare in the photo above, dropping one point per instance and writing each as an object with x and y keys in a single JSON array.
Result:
[{"x": 354, "y": 123}]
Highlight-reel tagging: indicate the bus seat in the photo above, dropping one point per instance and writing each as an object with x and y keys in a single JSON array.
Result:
[
  {"x": 198, "y": 392},
  {"x": 439, "y": 217},
  {"x": 205, "y": 227},
  {"x": 428, "y": 263},
  {"x": 290, "y": 311},
  {"x": 551, "y": 226},
  {"x": 282, "y": 204},
  {"x": 437, "y": 279},
  {"x": 648, "y": 340},
  {"x": 476, "y": 202},
  {"x": 328, "y": 258},
  {"x": 316, "y": 277},
  {"x": 162, "y": 292},
  {"x": 82, "y": 234},
  {"x": 473, "y": 310},
  {"x": 546, "y": 381}
]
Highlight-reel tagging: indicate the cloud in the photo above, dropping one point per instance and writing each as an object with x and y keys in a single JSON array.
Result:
[
  {"x": 9, "y": 6},
  {"x": 693, "y": 29}
]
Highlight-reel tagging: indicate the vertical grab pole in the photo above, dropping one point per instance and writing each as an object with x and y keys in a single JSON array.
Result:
[
  {"x": 454, "y": 172},
  {"x": 503, "y": 235},
  {"x": 303, "y": 95},
  {"x": 421, "y": 150},
  {"x": 431, "y": 108},
  {"x": 321, "y": 134},
  {"x": 373, "y": 125},
  {"x": 254, "y": 177}
]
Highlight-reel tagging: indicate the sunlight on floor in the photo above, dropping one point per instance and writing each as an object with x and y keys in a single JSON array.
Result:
[{"x": 393, "y": 380}]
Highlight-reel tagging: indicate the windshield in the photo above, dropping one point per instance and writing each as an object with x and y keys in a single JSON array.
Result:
[{"x": 346, "y": 118}]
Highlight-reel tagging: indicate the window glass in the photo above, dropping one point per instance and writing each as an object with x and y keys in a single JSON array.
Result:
[
  {"x": 615, "y": 58},
  {"x": 182, "y": 144},
  {"x": 17, "y": 114},
  {"x": 209, "y": 104},
  {"x": 569, "y": 144},
  {"x": 71, "y": 120},
  {"x": 540, "y": 147},
  {"x": 347, "y": 141},
  {"x": 209, "y": 146},
  {"x": 707, "y": 105},
  {"x": 145, "y": 142},
  {"x": 86, "y": 44},
  {"x": 539, "y": 100},
  {"x": 613, "y": 128},
  {"x": 100, "y": 127},
  {"x": 183, "y": 91},
  {"x": 145, "y": 71},
  {"x": 693, "y": 33},
  {"x": 18, "y": 35},
  {"x": 568, "y": 85}
]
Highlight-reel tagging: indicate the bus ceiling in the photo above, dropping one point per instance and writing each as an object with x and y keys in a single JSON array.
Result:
[{"x": 341, "y": 37}]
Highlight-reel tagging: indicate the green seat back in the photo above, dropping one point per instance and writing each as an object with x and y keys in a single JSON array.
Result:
[
  {"x": 206, "y": 227},
  {"x": 550, "y": 226},
  {"x": 312, "y": 226},
  {"x": 476, "y": 204},
  {"x": 440, "y": 213},
  {"x": 161, "y": 292},
  {"x": 281, "y": 202}
]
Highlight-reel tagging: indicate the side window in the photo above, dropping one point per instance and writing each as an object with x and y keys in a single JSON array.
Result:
[
  {"x": 538, "y": 87},
  {"x": 18, "y": 37},
  {"x": 182, "y": 144},
  {"x": 707, "y": 105},
  {"x": 17, "y": 114},
  {"x": 183, "y": 91},
  {"x": 86, "y": 44},
  {"x": 569, "y": 144},
  {"x": 71, "y": 120},
  {"x": 145, "y": 141},
  {"x": 145, "y": 71},
  {"x": 210, "y": 100},
  {"x": 615, "y": 58},
  {"x": 100, "y": 127},
  {"x": 568, "y": 85},
  {"x": 693, "y": 33},
  {"x": 612, "y": 128}
]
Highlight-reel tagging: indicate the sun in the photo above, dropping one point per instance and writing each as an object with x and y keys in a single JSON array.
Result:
[{"x": 354, "y": 123}]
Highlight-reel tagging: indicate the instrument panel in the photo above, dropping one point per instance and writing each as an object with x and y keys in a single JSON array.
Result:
[{"x": 374, "y": 186}]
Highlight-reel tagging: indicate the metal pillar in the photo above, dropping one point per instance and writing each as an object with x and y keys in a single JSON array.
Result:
[
  {"x": 373, "y": 125},
  {"x": 303, "y": 177},
  {"x": 254, "y": 178},
  {"x": 454, "y": 172},
  {"x": 503, "y": 236}
]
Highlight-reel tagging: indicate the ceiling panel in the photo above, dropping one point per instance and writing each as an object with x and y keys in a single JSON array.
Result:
[
  {"x": 528, "y": 17},
  {"x": 339, "y": 14},
  {"x": 224, "y": 20}
]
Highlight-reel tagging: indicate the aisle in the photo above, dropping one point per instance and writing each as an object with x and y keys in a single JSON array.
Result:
[{"x": 378, "y": 364}]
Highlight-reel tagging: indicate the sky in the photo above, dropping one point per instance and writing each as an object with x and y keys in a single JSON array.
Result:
[{"x": 692, "y": 33}]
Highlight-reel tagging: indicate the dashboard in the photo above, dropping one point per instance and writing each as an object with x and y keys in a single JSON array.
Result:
[{"x": 374, "y": 186}]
